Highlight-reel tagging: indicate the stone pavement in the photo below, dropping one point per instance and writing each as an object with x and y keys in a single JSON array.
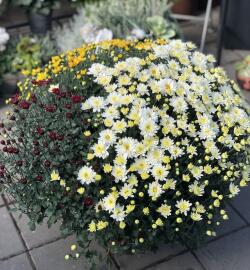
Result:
[{"x": 44, "y": 249}]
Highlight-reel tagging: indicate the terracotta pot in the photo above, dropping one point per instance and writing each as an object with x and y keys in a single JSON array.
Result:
[
  {"x": 244, "y": 82},
  {"x": 184, "y": 7}
]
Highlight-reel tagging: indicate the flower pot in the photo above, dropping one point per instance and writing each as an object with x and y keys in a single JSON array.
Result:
[
  {"x": 243, "y": 81},
  {"x": 184, "y": 7},
  {"x": 9, "y": 85},
  {"x": 39, "y": 23}
]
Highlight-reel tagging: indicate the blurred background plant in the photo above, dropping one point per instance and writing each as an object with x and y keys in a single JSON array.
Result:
[
  {"x": 135, "y": 15},
  {"x": 3, "y": 6},
  {"x": 38, "y": 6},
  {"x": 243, "y": 73},
  {"x": 101, "y": 20},
  {"x": 4, "y": 38},
  {"x": 32, "y": 51}
]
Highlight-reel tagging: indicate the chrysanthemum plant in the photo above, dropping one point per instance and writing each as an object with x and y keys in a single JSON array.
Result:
[{"x": 128, "y": 144}]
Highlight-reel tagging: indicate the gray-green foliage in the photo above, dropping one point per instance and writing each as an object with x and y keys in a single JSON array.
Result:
[{"x": 124, "y": 15}]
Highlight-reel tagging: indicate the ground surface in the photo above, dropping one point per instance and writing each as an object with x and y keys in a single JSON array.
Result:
[{"x": 44, "y": 249}]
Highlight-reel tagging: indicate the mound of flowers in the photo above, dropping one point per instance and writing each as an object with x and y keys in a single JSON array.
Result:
[{"x": 129, "y": 144}]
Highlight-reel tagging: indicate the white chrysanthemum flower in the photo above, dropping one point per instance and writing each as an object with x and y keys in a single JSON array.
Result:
[
  {"x": 119, "y": 173},
  {"x": 126, "y": 146},
  {"x": 127, "y": 191},
  {"x": 148, "y": 127},
  {"x": 169, "y": 184},
  {"x": 155, "y": 155},
  {"x": 107, "y": 137},
  {"x": 179, "y": 104},
  {"x": 103, "y": 79},
  {"x": 142, "y": 89},
  {"x": 132, "y": 180},
  {"x": 168, "y": 87},
  {"x": 100, "y": 150},
  {"x": 127, "y": 99},
  {"x": 148, "y": 113},
  {"x": 159, "y": 172},
  {"x": 176, "y": 152},
  {"x": 192, "y": 150},
  {"x": 161, "y": 51},
  {"x": 196, "y": 188},
  {"x": 124, "y": 80},
  {"x": 142, "y": 165},
  {"x": 199, "y": 60},
  {"x": 143, "y": 76},
  {"x": 96, "y": 69},
  {"x": 111, "y": 112},
  {"x": 196, "y": 216},
  {"x": 96, "y": 103},
  {"x": 118, "y": 213},
  {"x": 164, "y": 210},
  {"x": 167, "y": 143},
  {"x": 183, "y": 206},
  {"x": 172, "y": 64},
  {"x": 114, "y": 98},
  {"x": 234, "y": 189},
  {"x": 197, "y": 172},
  {"x": 111, "y": 88},
  {"x": 207, "y": 133},
  {"x": 119, "y": 126},
  {"x": 86, "y": 175},
  {"x": 109, "y": 202},
  {"x": 155, "y": 190}
]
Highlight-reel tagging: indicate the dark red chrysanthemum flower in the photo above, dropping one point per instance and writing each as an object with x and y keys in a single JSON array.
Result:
[
  {"x": 76, "y": 99},
  {"x": 52, "y": 135},
  {"x": 88, "y": 201},
  {"x": 15, "y": 99},
  {"x": 50, "y": 108},
  {"x": 24, "y": 104},
  {"x": 40, "y": 131}
]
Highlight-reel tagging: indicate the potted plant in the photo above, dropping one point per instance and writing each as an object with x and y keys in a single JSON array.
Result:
[
  {"x": 131, "y": 144},
  {"x": 243, "y": 73},
  {"x": 39, "y": 13},
  {"x": 21, "y": 55}
]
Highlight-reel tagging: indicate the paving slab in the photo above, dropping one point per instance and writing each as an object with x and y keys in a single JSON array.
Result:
[
  {"x": 233, "y": 223},
  {"x": 51, "y": 256},
  {"x": 192, "y": 32},
  {"x": 10, "y": 242},
  {"x": 136, "y": 262},
  {"x": 20, "y": 262},
  {"x": 41, "y": 235},
  {"x": 227, "y": 56},
  {"x": 242, "y": 202},
  {"x": 243, "y": 53},
  {"x": 228, "y": 253},
  {"x": 230, "y": 70},
  {"x": 3, "y": 110},
  {"x": 1, "y": 201},
  {"x": 183, "y": 262}
]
